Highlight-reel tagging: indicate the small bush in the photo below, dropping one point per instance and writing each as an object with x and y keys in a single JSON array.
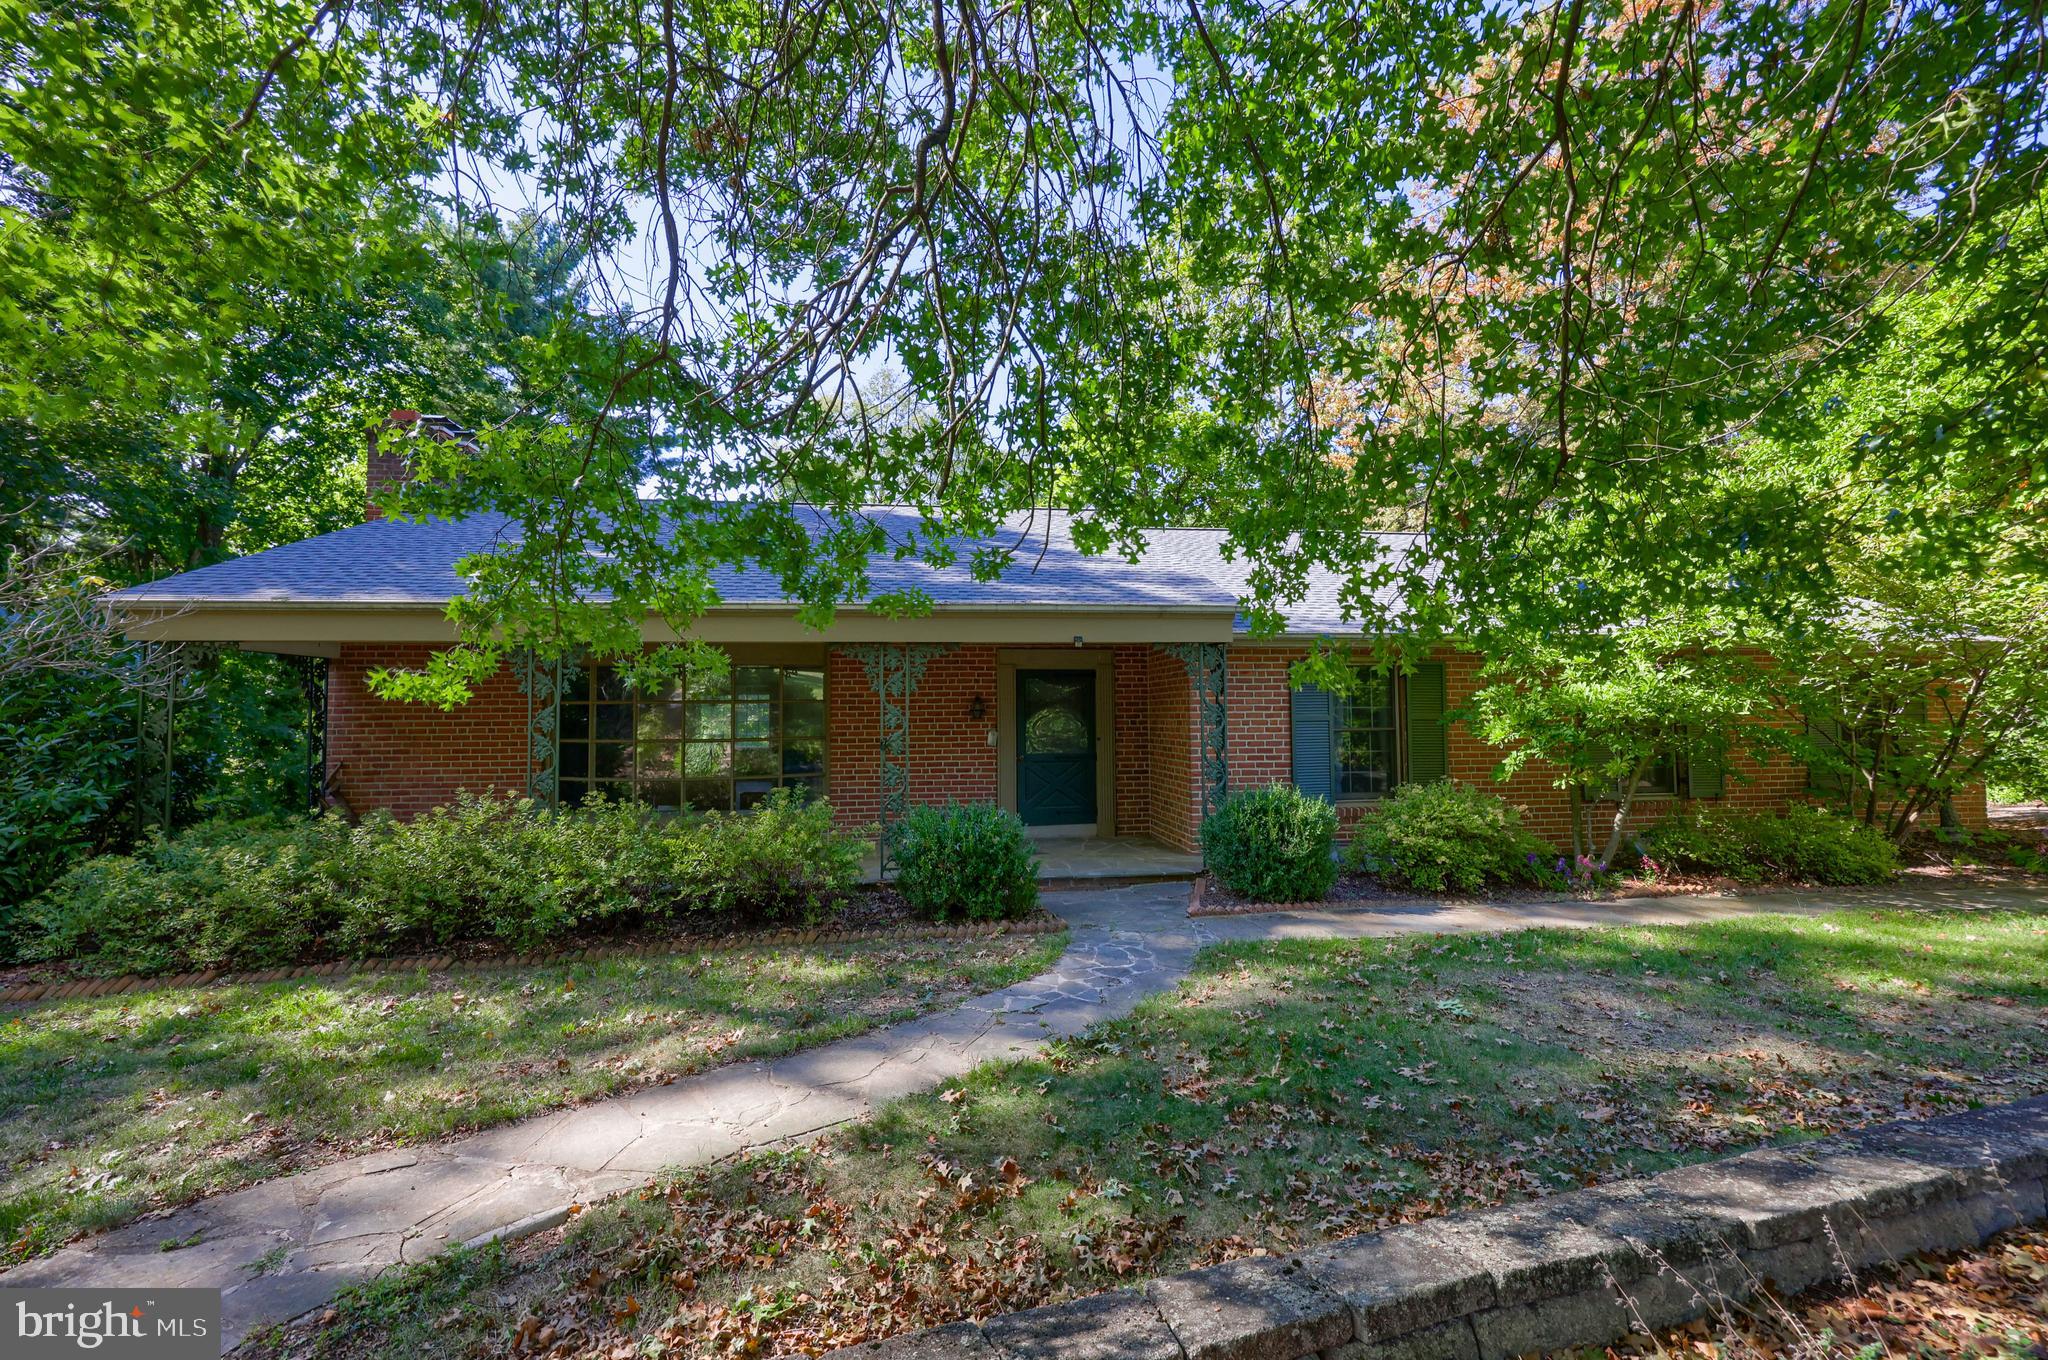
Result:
[
  {"x": 251, "y": 892},
  {"x": 255, "y": 894},
  {"x": 965, "y": 861},
  {"x": 1443, "y": 836},
  {"x": 781, "y": 863},
  {"x": 1272, "y": 844},
  {"x": 1706, "y": 841},
  {"x": 1804, "y": 843}
]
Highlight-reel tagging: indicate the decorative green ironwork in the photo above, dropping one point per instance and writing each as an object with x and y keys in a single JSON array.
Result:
[
  {"x": 895, "y": 669},
  {"x": 1207, "y": 672},
  {"x": 541, "y": 680},
  {"x": 311, "y": 672}
]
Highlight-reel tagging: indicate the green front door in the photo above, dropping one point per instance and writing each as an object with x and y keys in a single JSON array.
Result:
[{"x": 1056, "y": 747}]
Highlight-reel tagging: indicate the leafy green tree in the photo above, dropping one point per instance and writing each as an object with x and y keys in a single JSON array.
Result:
[
  {"x": 1525, "y": 276},
  {"x": 1603, "y": 714},
  {"x": 1927, "y": 455}
]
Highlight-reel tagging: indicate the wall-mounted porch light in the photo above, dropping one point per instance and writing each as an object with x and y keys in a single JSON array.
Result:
[{"x": 977, "y": 709}]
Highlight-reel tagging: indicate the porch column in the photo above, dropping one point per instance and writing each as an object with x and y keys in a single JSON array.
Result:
[
  {"x": 1207, "y": 675},
  {"x": 894, "y": 671}
]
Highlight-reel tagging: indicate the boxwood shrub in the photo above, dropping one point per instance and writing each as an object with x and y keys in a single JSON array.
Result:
[
  {"x": 965, "y": 861},
  {"x": 1803, "y": 843},
  {"x": 481, "y": 871},
  {"x": 1444, "y": 836},
  {"x": 1272, "y": 844}
]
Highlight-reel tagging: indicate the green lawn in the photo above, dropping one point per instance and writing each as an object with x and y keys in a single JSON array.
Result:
[
  {"x": 119, "y": 1105},
  {"x": 1284, "y": 1094}
]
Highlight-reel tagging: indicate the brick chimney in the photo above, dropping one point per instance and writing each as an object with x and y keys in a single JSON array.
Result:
[{"x": 388, "y": 465}]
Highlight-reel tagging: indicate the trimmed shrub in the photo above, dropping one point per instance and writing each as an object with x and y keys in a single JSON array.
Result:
[
  {"x": 1442, "y": 836},
  {"x": 256, "y": 894},
  {"x": 252, "y": 893},
  {"x": 1272, "y": 844},
  {"x": 781, "y": 863},
  {"x": 965, "y": 861},
  {"x": 1805, "y": 843}
]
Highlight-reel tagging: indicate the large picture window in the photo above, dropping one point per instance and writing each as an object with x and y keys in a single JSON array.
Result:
[
  {"x": 1367, "y": 747},
  {"x": 722, "y": 744}
]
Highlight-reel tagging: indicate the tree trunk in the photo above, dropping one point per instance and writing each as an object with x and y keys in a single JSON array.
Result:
[{"x": 1619, "y": 827}]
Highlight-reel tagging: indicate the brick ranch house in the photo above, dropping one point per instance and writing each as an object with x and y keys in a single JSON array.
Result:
[{"x": 1093, "y": 696}]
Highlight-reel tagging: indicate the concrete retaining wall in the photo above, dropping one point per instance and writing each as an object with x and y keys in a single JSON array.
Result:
[{"x": 1578, "y": 1269}]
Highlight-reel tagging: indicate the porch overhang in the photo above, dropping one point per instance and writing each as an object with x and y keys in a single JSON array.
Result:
[{"x": 303, "y": 629}]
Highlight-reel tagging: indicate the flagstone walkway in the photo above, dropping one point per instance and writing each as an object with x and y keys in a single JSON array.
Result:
[{"x": 281, "y": 1248}]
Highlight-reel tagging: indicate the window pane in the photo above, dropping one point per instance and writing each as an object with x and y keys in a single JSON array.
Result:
[
  {"x": 803, "y": 720},
  {"x": 756, "y": 720},
  {"x": 665, "y": 795},
  {"x": 748, "y": 794},
  {"x": 702, "y": 759},
  {"x": 575, "y": 759},
  {"x": 1662, "y": 777},
  {"x": 1056, "y": 717},
  {"x": 812, "y": 788},
  {"x": 575, "y": 720},
  {"x": 707, "y": 795},
  {"x": 1372, "y": 705},
  {"x": 614, "y": 760},
  {"x": 803, "y": 757},
  {"x": 571, "y": 792},
  {"x": 1364, "y": 764},
  {"x": 757, "y": 682},
  {"x": 657, "y": 758},
  {"x": 611, "y": 685},
  {"x": 711, "y": 686},
  {"x": 707, "y": 722},
  {"x": 615, "y": 721},
  {"x": 660, "y": 720},
  {"x": 803, "y": 686},
  {"x": 754, "y": 757}
]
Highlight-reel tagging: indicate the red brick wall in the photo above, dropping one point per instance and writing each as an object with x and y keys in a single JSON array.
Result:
[
  {"x": 853, "y": 726},
  {"x": 1261, "y": 753},
  {"x": 410, "y": 757},
  {"x": 1132, "y": 706},
  {"x": 1261, "y": 741},
  {"x": 950, "y": 753},
  {"x": 1174, "y": 813}
]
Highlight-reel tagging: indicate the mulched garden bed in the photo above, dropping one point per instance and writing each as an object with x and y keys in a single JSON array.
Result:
[
  {"x": 871, "y": 913},
  {"x": 1211, "y": 898}
]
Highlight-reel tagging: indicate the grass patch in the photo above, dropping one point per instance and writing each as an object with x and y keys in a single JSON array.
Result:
[
  {"x": 1283, "y": 1094},
  {"x": 121, "y": 1105}
]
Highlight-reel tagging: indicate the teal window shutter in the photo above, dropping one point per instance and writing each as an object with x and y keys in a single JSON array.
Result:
[
  {"x": 1314, "y": 752},
  {"x": 1429, "y": 756},
  {"x": 1706, "y": 778}
]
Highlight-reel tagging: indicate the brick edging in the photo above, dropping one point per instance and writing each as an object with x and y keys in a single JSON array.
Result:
[
  {"x": 1580, "y": 1269},
  {"x": 130, "y": 984}
]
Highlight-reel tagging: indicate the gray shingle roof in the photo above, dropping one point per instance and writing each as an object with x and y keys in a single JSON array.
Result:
[{"x": 402, "y": 564}]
